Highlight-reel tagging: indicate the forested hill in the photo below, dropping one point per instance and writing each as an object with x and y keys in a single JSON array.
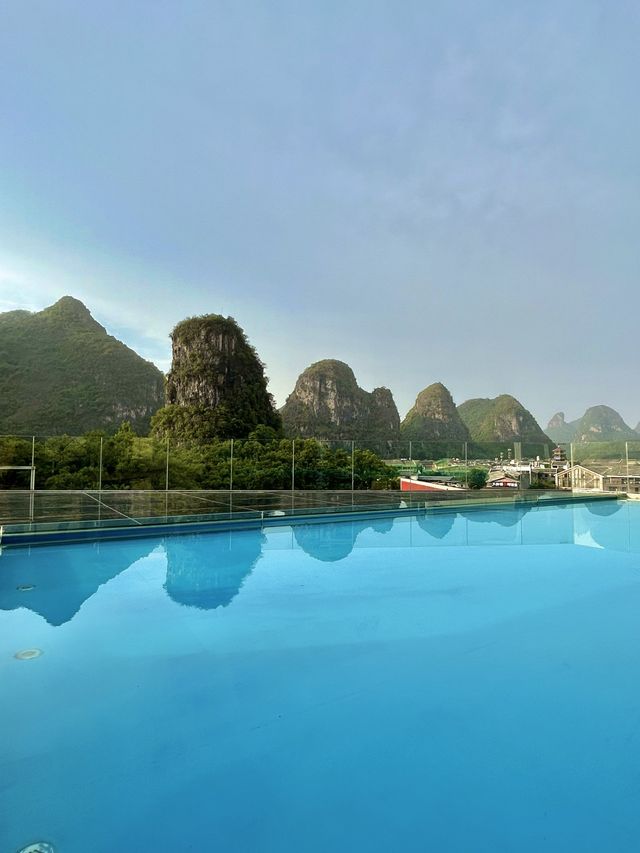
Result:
[
  {"x": 60, "y": 371},
  {"x": 434, "y": 416},
  {"x": 502, "y": 419}
]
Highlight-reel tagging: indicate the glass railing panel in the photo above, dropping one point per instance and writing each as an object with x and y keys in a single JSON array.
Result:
[{"x": 98, "y": 477}]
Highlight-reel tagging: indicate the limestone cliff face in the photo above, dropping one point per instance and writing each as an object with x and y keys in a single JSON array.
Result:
[
  {"x": 216, "y": 387},
  {"x": 328, "y": 403},
  {"x": 203, "y": 356},
  {"x": 383, "y": 416},
  {"x": 503, "y": 419},
  {"x": 434, "y": 417}
]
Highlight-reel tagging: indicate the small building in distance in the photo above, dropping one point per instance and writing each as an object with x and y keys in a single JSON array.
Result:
[
  {"x": 429, "y": 483},
  {"x": 559, "y": 458},
  {"x": 601, "y": 478},
  {"x": 501, "y": 479}
]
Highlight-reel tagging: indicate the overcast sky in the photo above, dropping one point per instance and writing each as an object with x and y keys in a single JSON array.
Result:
[{"x": 442, "y": 191}]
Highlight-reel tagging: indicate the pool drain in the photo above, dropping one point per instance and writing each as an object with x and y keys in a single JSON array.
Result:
[
  {"x": 28, "y": 654},
  {"x": 38, "y": 847},
  {"x": 25, "y": 587}
]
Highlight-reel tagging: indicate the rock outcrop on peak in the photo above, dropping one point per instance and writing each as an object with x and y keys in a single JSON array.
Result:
[
  {"x": 62, "y": 372},
  {"x": 500, "y": 420},
  {"x": 328, "y": 403},
  {"x": 216, "y": 387},
  {"x": 434, "y": 417},
  {"x": 559, "y": 430}
]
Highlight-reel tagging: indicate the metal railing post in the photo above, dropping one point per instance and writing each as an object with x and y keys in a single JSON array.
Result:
[
  {"x": 293, "y": 471},
  {"x": 166, "y": 472},
  {"x": 32, "y": 478},
  {"x": 466, "y": 465},
  {"x": 571, "y": 466},
  {"x": 626, "y": 450},
  {"x": 353, "y": 469},
  {"x": 100, "y": 471},
  {"x": 231, "y": 477}
]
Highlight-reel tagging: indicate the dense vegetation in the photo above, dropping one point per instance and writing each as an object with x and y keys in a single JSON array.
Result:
[
  {"x": 217, "y": 387},
  {"x": 263, "y": 461},
  {"x": 60, "y": 371}
]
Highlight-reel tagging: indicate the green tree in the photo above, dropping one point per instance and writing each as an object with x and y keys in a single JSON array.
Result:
[{"x": 477, "y": 478}]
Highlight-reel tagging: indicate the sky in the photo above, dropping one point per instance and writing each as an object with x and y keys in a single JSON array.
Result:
[{"x": 443, "y": 191}]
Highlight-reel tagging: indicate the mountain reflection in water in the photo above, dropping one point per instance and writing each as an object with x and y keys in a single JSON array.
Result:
[
  {"x": 332, "y": 541},
  {"x": 207, "y": 571},
  {"x": 63, "y": 578}
]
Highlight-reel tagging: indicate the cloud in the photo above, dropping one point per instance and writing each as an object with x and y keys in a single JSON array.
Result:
[{"x": 20, "y": 290}]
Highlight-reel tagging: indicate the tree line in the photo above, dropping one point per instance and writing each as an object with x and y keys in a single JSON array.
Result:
[{"x": 125, "y": 460}]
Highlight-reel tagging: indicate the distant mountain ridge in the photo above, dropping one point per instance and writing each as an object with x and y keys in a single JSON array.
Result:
[
  {"x": 61, "y": 372},
  {"x": 599, "y": 423}
]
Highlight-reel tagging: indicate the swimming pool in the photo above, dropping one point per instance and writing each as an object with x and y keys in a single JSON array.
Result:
[{"x": 453, "y": 681}]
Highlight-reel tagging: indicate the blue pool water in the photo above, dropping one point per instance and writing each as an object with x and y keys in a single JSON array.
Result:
[{"x": 451, "y": 682}]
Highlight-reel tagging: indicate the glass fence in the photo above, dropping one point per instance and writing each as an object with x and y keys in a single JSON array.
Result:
[
  {"x": 227, "y": 475},
  {"x": 127, "y": 461}
]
